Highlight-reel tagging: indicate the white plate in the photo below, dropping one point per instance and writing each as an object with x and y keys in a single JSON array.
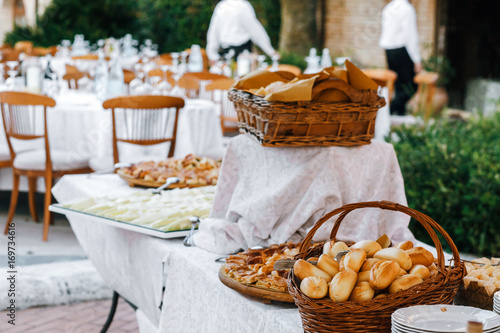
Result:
[
  {"x": 444, "y": 318},
  {"x": 405, "y": 329}
]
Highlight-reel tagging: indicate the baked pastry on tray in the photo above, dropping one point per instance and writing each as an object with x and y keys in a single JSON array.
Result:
[
  {"x": 255, "y": 266},
  {"x": 192, "y": 170}
]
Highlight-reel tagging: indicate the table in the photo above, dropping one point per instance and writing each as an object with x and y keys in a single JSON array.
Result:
[
  {"x": 137, "y": 266},
  {"x": 80, "y": 125}
]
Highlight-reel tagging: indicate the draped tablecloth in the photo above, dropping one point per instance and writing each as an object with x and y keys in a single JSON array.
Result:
[
  {"x": 271, "y": 195},
  {"x": 137, "y": 266},
  {"x": 78, "y": 124}
]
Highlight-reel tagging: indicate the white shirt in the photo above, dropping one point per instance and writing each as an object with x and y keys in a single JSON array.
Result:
[
  {"x": 234, "y": 23},
  {"x": 399, "y": 28}
]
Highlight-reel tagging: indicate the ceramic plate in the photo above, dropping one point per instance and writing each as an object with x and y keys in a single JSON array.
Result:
[{"x": 444, "y": 318}]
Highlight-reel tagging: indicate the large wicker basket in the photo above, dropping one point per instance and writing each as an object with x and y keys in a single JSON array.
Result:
[
  {"x": 325, "y": 315},
  {"x": 280, "y": 124}
]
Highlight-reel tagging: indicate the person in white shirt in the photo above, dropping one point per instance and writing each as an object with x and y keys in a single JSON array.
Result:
[
  {"x": 234, "y": 25},
  {"x": 399, "y": 38}
]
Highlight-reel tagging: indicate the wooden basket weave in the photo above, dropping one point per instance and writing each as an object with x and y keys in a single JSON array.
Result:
[
  {"x": 280, "y": 124},
  {"x": 324, "y": 315}
]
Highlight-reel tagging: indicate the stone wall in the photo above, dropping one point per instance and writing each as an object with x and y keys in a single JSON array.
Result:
[{"x": 352, "y": 29}]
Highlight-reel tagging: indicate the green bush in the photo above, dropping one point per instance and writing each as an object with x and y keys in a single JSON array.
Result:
[
  {"x": 174, "y": 25},
  {"x": 451, "y": 171}
]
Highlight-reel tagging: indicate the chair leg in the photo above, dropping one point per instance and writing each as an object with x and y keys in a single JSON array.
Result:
[
  {"x": 13, "y": 202},
  {"x": 32, "y": 197},
  {"x": 112, "y": 311},
  {"x": 46, "y": 212}
]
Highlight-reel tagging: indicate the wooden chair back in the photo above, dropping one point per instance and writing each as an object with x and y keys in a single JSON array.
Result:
[
  {"x": 144, "y": 120},
  {"x": 24, "y": 46},
  {"x": 128, "y": 76},
  {"x": 190, "y": 87},
  {"x": 204, "y": 76},
  {"x": 86, "y": 57},
  {"x": 383, "y": 77},
  {"x": 20, "y": 115},
  {"x": 155, "y": 72},
  {"x": 9, "y": 55},
  {"x": 218, "y": 90},
  {"x": 73, "y": 77}
]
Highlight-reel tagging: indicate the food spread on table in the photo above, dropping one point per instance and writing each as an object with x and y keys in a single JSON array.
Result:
[
  {"x": 167, "y": 211},
  {"x": 365, "y": 271},
  {"x": 485, "y": 272},
  {"x": 255, "y": 266},
  {"x": 193, "y": 171}
]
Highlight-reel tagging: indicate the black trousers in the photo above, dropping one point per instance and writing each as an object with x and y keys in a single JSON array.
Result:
[
  {"x": 237, "y": 49},
  {"x": 399, "y": 61}
]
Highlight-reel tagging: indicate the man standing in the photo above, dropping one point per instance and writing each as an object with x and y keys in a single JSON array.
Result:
[
  {"x": 399, "y": 38},
  {"x": 234, "y": 25}
]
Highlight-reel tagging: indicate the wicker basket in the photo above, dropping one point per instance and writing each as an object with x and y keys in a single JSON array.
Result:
[
  {"x": 474, "y": 295},
  {"x": 325, "y": 315},
  {"x": 280, "y": 124}
]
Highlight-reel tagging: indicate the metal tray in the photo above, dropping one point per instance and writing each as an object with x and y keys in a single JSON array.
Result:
[{"x": 56, "y": 208}]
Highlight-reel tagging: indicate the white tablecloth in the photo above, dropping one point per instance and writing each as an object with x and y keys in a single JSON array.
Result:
[
  {"x": 78, "y": 124},
  {"x": 270, "y": 195},
  {"x": 137, "y": 266}
]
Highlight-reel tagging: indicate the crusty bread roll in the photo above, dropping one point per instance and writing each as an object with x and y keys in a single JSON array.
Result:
[
  {"x": 402, "y": 272},
  {"x": 314, "y": 287},
  {"x": 370, "y": 247},
  {"x": 362, "y": 292},
  {"x": 303, "y": 269},
  {"x": 332, "y": 248},
  {"x": 364, "y": 276},
  {"x": 342, "y": 285},
  {"x": 354, "y": 259},
  {"x": 406, "y": 245},
  {"x": 404, "y": 282},
  {"x": 420, "y": 270},
  {"x": 383, "y": 273},
  {"x": 384, "y": 241},
  {"x": 380, "y": 296},
  {"x": 398, "y": 255},
  {"x": 420, "y": 256},
  {"x": 367, "y": 265},
  {"x": 327, "y": 264},
  {"x": 433, "y": 270}
]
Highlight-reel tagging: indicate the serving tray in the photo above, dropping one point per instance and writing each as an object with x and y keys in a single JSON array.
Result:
[
  {"x": 254, "y": 291},
  {"x": 56, "y": 208}
]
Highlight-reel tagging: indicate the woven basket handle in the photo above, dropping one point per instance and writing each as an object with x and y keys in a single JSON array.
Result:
[
  {"x": 428, "y": 223},
  {"x": 355, "y": 95}
]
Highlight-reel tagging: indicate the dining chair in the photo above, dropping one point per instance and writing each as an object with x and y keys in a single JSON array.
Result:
[
  {"x": 25, "y": 47},
  {"x": 426, "y": 82},
  {"x": 72, "y": 76},
  {"x": 22, "y": 113},
  {"x": 203, "y": 79},
  {"x": 218, "y": 90},
  {"x": 144, "y": 120},
  {"x": 189, "y": 86},
  {"x": 89, "y": 56}
]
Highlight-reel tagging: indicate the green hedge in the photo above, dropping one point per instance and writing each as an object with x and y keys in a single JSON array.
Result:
[
  {"x": 452, "y": 173},
  {"x": 174, "y": 25}
]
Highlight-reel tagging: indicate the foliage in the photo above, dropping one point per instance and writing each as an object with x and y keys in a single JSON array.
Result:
[
  {"x": 442, "y": 66},
  {"x": 174, "y": 25},
  {"x": 291, "y": 58},
  {"x": 452, "y": 173}
]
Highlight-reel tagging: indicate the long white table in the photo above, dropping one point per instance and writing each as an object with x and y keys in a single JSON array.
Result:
[{"x": 80, "y": 125}]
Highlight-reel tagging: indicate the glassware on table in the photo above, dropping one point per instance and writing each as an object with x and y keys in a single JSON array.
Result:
[
  {"x": 12, "y": 72},
  {"x": 164, "y": 86},
  {"x": 274, "y": 67},
  {"x": 2, "y": 68},
  {"x": 261, "y": 59}
]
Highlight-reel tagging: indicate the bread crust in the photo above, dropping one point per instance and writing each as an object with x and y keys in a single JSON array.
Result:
[{"x": 383, "y": 273}]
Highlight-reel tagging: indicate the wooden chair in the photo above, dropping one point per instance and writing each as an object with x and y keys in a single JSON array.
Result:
[
  {"x": 25, "y": 47},
  {"x": 383, "y": 77},
  {"x": 72, "y": 76},
  {"x": 86, "y": 57},
  {"x": 426, "y": 82},
  {"x": 190, "y": 87},
  {"x": 228, "y": 116},
  {"x": 144, "y": 120},
  {"x": 203, "y": 78},
  {"x": 19, "y": 112}
]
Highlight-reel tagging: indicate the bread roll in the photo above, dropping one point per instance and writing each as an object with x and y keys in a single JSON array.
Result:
[
  {"x": 303, "y": 269},
  {"x": 370, "y": 247},
  {"x": 367, "y": 265},
  {"x": 342, "y": 284},
  {"x": 433, "y": 270},
  {"x": 406, "y": 245},
  {"x": 420, "y": 256},
  {"x": 362, "y": 292},
  {"x": 331, "y": 248},
  {"x": 314, "y": 287},
  {"x": 380, "y": 296},
  {"x": 327, "y": 264},
  {"x": 420, "y": 270},
  {"x": 384, "y": 241},
  {"x": 364, "y": 276},
  {"x": 404, "y": 282},
  {"x": 397, "y": 255},
  {"x": 383, "y": 273},
  {"x": 354, "y": 259},
  {"x": 402, "y": 272}
]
